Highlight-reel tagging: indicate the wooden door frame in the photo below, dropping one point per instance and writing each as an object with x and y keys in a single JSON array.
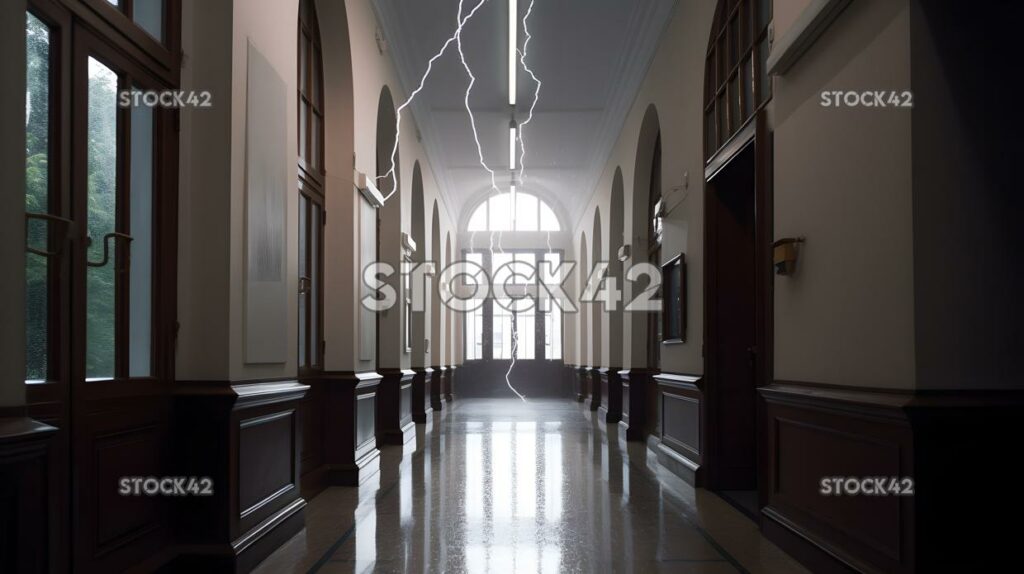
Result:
[{"x": 754, "y": 133}]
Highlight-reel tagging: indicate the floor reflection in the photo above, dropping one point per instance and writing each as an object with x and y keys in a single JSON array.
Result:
[{"x": 503, "y": 486}]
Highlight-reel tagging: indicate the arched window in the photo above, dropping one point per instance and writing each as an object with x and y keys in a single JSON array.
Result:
[
  {"x": 736, "y": 82},
  {"x": 530, "y": 214}
]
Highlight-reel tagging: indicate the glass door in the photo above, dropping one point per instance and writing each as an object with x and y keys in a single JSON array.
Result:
[{"x": 122, "y": 277}]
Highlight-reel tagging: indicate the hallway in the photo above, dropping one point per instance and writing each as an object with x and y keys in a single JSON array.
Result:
[{"x": 505, "y": 486}]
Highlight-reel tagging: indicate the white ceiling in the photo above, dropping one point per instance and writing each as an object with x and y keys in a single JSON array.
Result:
[{"x": 590, "y": 56}]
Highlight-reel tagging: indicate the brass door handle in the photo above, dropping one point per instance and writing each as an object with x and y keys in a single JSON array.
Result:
[
  {"x": 63, "y": 222},
  {"x": 106, "y": 248}
]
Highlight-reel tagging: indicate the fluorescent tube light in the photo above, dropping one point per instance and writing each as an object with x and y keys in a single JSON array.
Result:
[{"x": 513, "y": 44}]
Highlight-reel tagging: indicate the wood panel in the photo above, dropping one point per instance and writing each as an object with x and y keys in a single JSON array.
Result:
[
  {"x": 394, "y": 417},
  {"x": 351, "y": 453},
  {"x": 420, "y": 394},
  {"x": 611, "y": 391},
  {"x": 681, "y": 403},
  {"x": 25, "y": 495},
  {"x": 635, "y": 385},
  {"x": 246, "y": 439},
  {"x": 938, "y": 439}
]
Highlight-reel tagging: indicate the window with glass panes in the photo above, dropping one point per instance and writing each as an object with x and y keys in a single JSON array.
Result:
[
  {"x": 501, "y": 329},
  {"x": 736, "y": 82}
]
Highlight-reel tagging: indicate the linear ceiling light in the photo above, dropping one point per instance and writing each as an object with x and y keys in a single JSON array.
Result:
[
  {"x": 513, "y": 137},
  {"x": 513, "y": 45}
]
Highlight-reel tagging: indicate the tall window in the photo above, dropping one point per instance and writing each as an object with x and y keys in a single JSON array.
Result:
[
  {"x": 39, "y": 202},
  {"x": 311, "y": 189},
  {"x": 499, "y": 329},
  {"x": 736, "y": 82},
  {"x": 528, "y": 214}
]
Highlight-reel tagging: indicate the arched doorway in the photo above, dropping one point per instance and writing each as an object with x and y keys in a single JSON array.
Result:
[
  {"x": 640, "y": 396},
  {"x": 583, "y": 322},
  {"x": 596, "y": 311},
  {"x": 436, "y": 318},
  {"x": 611, "y": 382}
]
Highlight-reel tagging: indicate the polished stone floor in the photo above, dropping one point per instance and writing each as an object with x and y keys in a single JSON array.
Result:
[{"x": 506, "y": 486}]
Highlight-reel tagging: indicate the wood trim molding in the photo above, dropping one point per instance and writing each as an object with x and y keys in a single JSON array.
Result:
[
  {"x": 947, "y": 441},
  {"x": 806, "y": 29}
]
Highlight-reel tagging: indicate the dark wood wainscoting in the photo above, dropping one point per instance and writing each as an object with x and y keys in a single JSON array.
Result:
[
  {"x": 437, "y": 387},
  {"x": 580, "y": 382},
  {"x": 312, "y": 418},
  {"x": 956, "y": 446},
  {"x": 611, "y": 391},
  {"x": 25, "y": 497},
  {"x": 593, "y": 401},
  {"x": 532, "y": 378},
  {"x": 351, "y": 453},
  {"x": 635, "y": 383},
  {"x": 421, "y": 383},
  {"x": 681, "y": 402},
  {"x": 449, "y": 387},
  {"x": 394, "y": 407},
  {"x": 245, "y": 439}
]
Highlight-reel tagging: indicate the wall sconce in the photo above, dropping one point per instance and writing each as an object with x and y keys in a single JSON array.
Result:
[
  {"x": 785, "y": 254},
  {"x": 368, "y": 187},
  {"x": 408, "y": 243},
  {"x": 625, "y": 252}
]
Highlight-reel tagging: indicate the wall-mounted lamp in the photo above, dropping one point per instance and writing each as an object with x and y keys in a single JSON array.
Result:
[
  {"x": 625, "y": 252},
  {"x": 368, "y": 187},
  {"x": 408, "y": 243},
  {"x": 785, "y": 254}
]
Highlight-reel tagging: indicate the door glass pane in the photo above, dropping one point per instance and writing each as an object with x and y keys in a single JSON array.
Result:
[
  {"x": 102, "y": 206},
  {"x": 526, "y": 212},
  {"x": 37, "y": 197},
  {"x": 314, "y": 287},
  {"x": 526, "y": 335},
  {"x": 141, "y": 275},
  {"x": 303, "y": 270},
  {"x": 548, "y": 221},
  {"x": 553, "y": 334},
  {"x": 149, "y": 15},
  {"x": 501, "y": 212},
  {"x": 502, "y": 337}
]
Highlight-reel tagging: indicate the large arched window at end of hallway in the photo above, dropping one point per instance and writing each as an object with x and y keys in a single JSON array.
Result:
[
  {"x": 736, "y": 82},
  {"x": 489, "y": 328},
  {"x": 311, "y": 176},
  {"x": 524, "y": 212}
]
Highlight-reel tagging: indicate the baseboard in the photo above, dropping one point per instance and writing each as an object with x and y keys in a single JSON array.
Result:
[
  {"x": 401, "y": 436},
  {"x": 355, "y": 474},
  {"x": 679, "y": 465},
  {"x": 244, "y": 554}
]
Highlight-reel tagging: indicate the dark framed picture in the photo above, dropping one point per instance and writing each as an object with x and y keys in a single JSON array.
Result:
[{"x": 673, "y": 302}]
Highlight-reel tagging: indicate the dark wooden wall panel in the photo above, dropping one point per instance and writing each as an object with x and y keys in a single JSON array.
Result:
[{"x": 265, "y": 460}]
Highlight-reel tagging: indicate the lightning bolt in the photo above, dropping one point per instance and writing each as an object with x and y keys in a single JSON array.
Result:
[
  {"x": 522, "y": 168},
  {"x": 456, "y": 37}
]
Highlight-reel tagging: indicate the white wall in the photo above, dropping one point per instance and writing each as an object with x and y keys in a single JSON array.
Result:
[
  {"x": 212, "y": 248},
  {"x": 673, "y": 84},
  {"x": 843, "y": 180}
]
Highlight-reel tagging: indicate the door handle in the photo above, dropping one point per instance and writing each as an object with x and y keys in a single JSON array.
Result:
[
  {"x": 64, "y": 223},
  {"x": 304, "y": 283},
  {"x": 106, "y": 248}
]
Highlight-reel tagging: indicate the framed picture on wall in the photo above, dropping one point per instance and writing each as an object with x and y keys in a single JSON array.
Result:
[{"x": 673, "y": 302}]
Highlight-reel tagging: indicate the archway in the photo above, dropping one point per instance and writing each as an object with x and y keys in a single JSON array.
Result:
[
  {"x": 596, "y": 319},
  {"x": 583, "y": 322},
  {"x": 390, "y": 347},
  {"x": 436, "y": 318}
]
